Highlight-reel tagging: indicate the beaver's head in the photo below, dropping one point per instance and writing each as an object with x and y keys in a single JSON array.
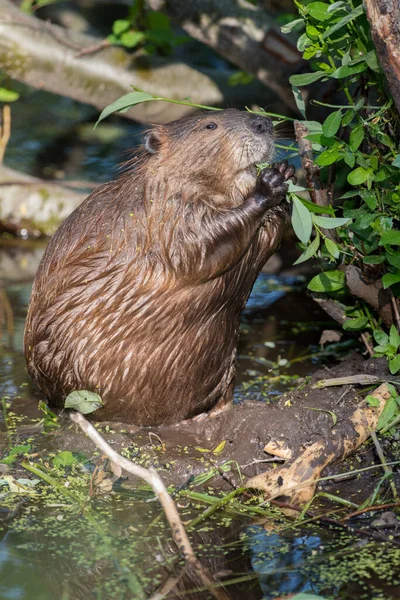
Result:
[{"x": 217, "y": 149}]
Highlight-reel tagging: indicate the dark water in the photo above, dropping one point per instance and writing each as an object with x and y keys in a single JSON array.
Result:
[{"x": 50, "y": 548}]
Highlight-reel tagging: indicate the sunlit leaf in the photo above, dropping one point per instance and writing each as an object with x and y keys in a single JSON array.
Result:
[
  {"x": 310, "y": 251},
  {"x": 301, "y": 220},
  {"x": 83, "y": 401},
  {"x": 329, "y": 281}
]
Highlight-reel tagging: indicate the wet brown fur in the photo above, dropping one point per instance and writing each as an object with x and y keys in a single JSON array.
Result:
[{"x": 139, "y": 292}]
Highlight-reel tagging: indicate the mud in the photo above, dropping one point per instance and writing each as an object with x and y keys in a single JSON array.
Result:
[{"x": 298, "y": 419}]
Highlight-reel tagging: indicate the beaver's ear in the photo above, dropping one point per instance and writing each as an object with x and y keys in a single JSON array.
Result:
[{"x": 152, "y": 142}]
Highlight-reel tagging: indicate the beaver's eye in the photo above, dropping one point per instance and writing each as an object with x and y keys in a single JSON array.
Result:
[{"x": 211, "y": 126}]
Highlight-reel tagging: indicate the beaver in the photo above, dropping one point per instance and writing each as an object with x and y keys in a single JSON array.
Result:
[{"x": 139, "y": 291}]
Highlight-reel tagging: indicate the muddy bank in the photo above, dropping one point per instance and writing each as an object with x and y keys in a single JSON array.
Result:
[{"x": 238, "y": 437}]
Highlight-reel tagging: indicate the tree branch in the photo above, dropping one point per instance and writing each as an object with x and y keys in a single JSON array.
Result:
[
  {"x": 241, "y": 33},
  {"x": 52, "y": 58},
  {"x": 151, "y": 477}
]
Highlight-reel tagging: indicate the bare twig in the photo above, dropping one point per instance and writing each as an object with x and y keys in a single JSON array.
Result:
[
  {"x": 151, "y": 477},
  {"x": 5, "y": 130},
  {"x": 168, "y": 585},
  {"x": 94, "y": 48},
  {"x": 368, "y": 509},
  {"x": 365, "y": 339},
  {"x": 395, "y": 309},
  {"x": 319, "y": 195}
]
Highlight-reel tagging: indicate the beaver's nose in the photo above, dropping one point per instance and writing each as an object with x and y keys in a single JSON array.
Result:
[{"x": 261, "y": 125}]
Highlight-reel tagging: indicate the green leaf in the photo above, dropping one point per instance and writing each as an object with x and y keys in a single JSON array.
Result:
[
  {"x": 8, "y": 95},
  {"x": 301, "y": 220},
  {"x": 356, "y": 137},
  {"x": 336, "y": 6},
  {"x": 327, "y": 157},
  {"x": 393, "y": 260},
  {"x": 390, "y": 410},
  {"x": 289, "y": 26},
  {"x": 120, "y": 25},
  {"x": 369, "y": 198},
  {"x": 332, "y": 248},
  {"x": 310, "y": 251},
  {"x": 349, "y": 70},
  {"x": 394, "y": 365},
  {"x": 358, "y": 176},
  {"x": 395, "y": 163},
  {"x": 83, "y": 401},
  {"x": 130, "y": 39},
  {"x": 381, "y": 337},
  {"x": 374, "y": 259},
  {"x": 394, "y": 336},
  {"x": 14, "y": 452},
  {"x": 330, "y": 223},
  {"x": 349, "y": 17},
  {"x": 124, "y": 103},
  {"x": 300, "y": 103},
  {"x": 158, "y": 21},
  {"x": 347, "y": 117},
  {"x": 349, "y": 159},
  {"x": 319, "y": 11},
  {"x": 372, "y": 401},
  {"x": 390, "y": 238},
  {"x": 390, "y": 279},
  {"x": 355, "y": 324},
  {"x": 312, "y": 32},
  {"x": 65, "y": 459},
  {"x": 372, "y": 60},
  {"x": 332, "y": 123},
  {"x": 306, "y": 78},
  {"x": 329, "y": 281},
  {"x": 315, "y": 208}
]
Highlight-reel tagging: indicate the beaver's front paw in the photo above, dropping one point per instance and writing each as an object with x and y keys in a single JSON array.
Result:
[{"x": 271, "y": 183}]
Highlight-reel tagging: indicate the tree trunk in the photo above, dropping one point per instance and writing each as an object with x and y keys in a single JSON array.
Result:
[{"x": 384, "y": 19}]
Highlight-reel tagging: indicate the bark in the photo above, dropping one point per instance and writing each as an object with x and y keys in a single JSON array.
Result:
[
  {"x": 243, "y": 34},
  {"x": 370, "y": 292},
  {"x": 47, "y": 57},
  {"x": 384, "y": 19}
]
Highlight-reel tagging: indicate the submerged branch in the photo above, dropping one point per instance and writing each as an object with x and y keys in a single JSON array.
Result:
[{"x": 151, "y": 477}]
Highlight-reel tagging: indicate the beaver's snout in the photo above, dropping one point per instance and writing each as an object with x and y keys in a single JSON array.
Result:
[{"x": 261, "y": 125}]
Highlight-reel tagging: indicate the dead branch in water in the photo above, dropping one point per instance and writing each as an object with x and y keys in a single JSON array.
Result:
[{"x": 151, "y": 477}]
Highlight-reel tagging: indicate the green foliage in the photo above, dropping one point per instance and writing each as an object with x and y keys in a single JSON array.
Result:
[
  {"x": 359, "y": 140},
  {"x": 83, "y": 401},
  {"x": 14, "y": 453},
  {"x": 29, "y": 6},
  {"x": 137, "y": 97},
  {"x": 7, "y": 95},
  {"x": 150, "y": 30}
]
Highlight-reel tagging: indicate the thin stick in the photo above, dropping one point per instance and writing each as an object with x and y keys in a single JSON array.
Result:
[
  {"x": 151, "y": 477},
  {"x": 5, "y": 130},
  {"x": 168, "y": 585},
  {"x": 319, "y": 194},
  {"x": 368, "y": 509},
  {"x": 395, "y": 309}
]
